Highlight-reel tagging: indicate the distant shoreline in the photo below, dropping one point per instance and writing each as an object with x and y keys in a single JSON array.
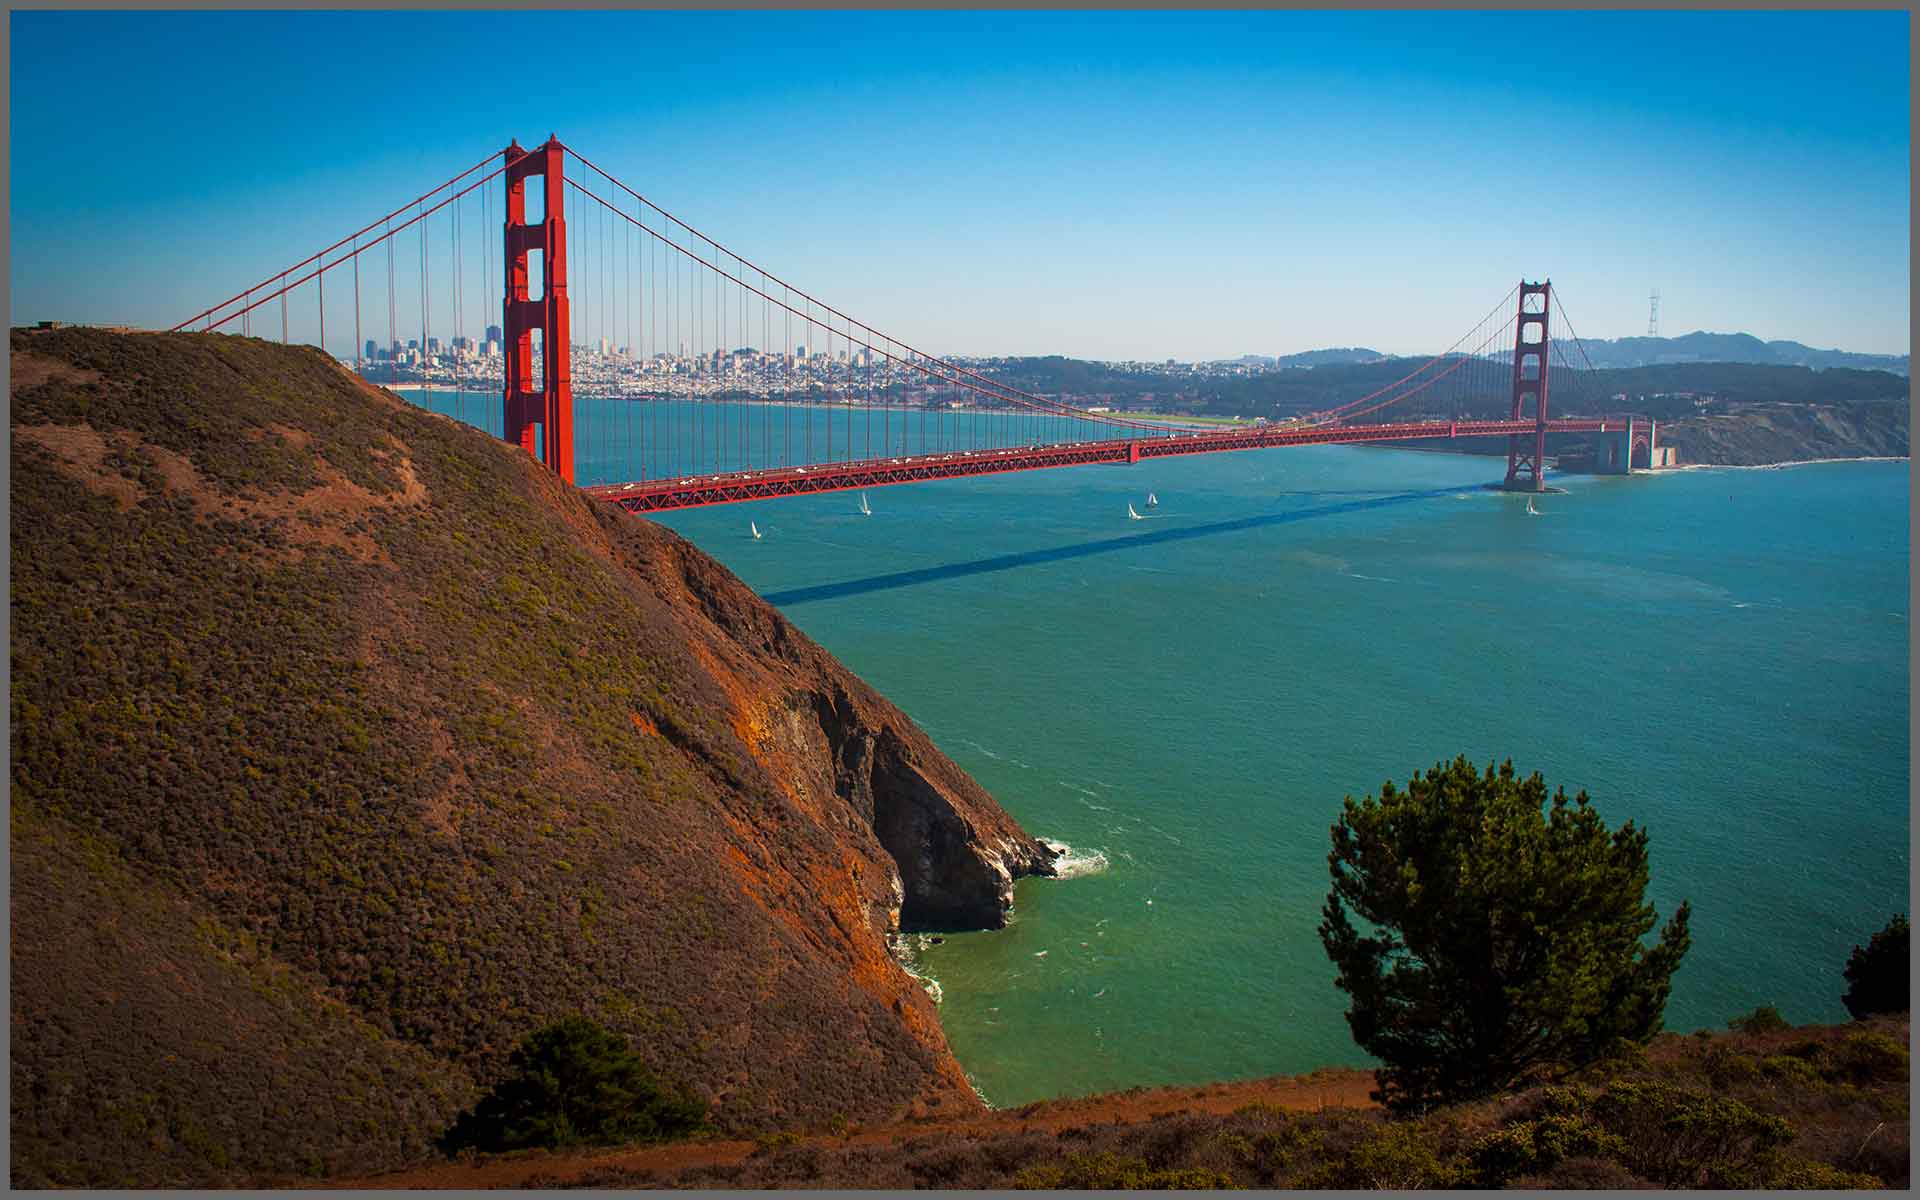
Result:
[
  {"x": 1798, "y": 462},
  {"x": 1773, "y": 466}
]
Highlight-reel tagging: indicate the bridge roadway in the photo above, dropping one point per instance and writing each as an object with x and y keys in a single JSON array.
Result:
[{"x": 659, "y": 495}]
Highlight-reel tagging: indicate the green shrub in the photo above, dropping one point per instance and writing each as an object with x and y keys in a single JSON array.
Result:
[
  {"x": 1788, "y": 1069},
  {"x": 1764, "y": 1019},
  {"x": 1532, "y": 1147},
  {"x": 768, "y": 1142},
  {"x": 1867, "y": 1058},
  {"x": 1396, "y": 1157},
  {"x": 1272, "y": 1143},
  {"x": 1725, "y": 1066},
  {"x": 1805, "y": 1174},
  {"x": 574, "y": 1083},
  {"x": 1684, "y": 1139},
  {"x": 1111, "y": 1172}
]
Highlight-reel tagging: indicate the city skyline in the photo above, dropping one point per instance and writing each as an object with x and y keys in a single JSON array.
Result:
[{"x": 1123, "y": 187}]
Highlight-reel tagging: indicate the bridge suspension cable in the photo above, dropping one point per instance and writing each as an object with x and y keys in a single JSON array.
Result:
[
  {"x": 911, "y": 357},
  {"x": 683, "y": 395}
]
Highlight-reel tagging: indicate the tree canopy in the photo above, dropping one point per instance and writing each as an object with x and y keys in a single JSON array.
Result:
[
  {"x": 1876, "y": 974},
  {"x": 574, "y": 1083},
  {"x": 1499, "y": 934}
]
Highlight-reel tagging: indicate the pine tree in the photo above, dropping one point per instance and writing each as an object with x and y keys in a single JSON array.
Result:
[
  {"x": 574, "y": 1083},
  {"x": 1502, "y": 934},
  {"x": 1876, "y": 974}
]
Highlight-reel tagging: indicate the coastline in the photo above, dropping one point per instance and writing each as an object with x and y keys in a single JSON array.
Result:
[
  {"x": 1772, "y": 466},
  {"x": 1780, "y": 466}
]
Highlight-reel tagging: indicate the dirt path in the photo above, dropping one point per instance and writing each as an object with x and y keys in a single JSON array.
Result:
[{"x": 1333, "y": 1088}]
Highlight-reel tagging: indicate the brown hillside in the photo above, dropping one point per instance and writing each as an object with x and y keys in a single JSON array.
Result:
[
  {"x": 349, "y": 747},
  {"x": 1818, "y": 1107}
]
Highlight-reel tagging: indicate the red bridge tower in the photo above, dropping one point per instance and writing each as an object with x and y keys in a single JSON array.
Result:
[
  {"x": 1530, "y": 379},
  {"x": 547, "y": 412}
]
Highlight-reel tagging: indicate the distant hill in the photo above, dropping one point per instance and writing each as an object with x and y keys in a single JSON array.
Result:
[
  {"x": 1731, "y": 348},
  {"x": 348, "y": 747},
  {"x": 1324, "y": 358},
  {"x": 1288, "y": 392},
  {"x": 1694, "y": 347},
  {"x": 1306, "y": 358}
]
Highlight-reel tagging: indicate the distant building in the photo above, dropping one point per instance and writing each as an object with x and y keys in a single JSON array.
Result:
[
  {"x": 494, "y": 334},
  {"x": 373, "y": 349}
]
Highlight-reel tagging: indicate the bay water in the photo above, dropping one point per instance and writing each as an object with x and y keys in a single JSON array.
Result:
[{"x": 1720, "y": 656}]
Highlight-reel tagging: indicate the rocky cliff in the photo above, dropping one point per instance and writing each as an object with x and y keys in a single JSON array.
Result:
[
  {"x": 1758, "y": 434},
  {"x": 348, "y": 747}
]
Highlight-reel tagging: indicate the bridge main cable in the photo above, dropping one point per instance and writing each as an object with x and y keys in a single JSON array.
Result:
[
  {"x": 941, "y": 369},
  {"x": 1343, "y": 411},
  {"x": 1495, "y": 338},
  {"x": 955, "y": 372},
  {"x": 281, "y": 275}
]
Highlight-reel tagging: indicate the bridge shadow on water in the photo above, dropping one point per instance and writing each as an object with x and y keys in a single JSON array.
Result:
[{"x": 1029, "y": 558}]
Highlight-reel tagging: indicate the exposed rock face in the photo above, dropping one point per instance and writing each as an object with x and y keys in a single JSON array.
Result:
[
  {"x": 956, "y": 851},
  {"x": 388, "y": 748},
  {"x": 957, "y": 859}
]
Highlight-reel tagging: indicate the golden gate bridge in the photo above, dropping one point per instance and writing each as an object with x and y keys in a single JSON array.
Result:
[{"x": 693, "y": 406}]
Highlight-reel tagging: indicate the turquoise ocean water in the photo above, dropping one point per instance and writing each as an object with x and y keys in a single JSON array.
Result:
[{"x": 1719, "y": 655}]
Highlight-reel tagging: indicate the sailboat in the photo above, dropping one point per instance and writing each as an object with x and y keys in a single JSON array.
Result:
[
  {"x": 756, "y": 530},
  {"x": 864, "y": 510},
  {"x": 1153, "y": 501},
  {"x": 1531, "y": 510},
  {"x": 1132, "y": 515}
]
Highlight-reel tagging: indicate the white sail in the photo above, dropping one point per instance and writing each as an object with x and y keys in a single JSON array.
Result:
[
  {"x": 756, "y": 530},
  {"x": 864, "y": 510},
  {"x": 1132, "y": 515},
  {"x": 1153, "y": 501},
  {"x": 1531, "y": 510}
]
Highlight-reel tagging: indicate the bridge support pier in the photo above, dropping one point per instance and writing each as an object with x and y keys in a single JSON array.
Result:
[
  {"x": 1635, "y": 446},
  {"x": 539, "y": 420}
]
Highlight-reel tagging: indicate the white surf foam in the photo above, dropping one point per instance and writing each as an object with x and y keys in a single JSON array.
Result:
[
  {"x": 1071, "y": 863},
  {"x": 903, "y": 953}
]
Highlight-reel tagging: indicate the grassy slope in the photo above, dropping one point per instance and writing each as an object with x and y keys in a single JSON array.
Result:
[{"x": 360, "y": 734}]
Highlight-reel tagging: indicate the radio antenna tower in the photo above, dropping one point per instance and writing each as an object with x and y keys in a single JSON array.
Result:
[{"x": 1653, "y": 314}]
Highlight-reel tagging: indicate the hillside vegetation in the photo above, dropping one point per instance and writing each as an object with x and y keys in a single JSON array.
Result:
[
  {"x": 1815, "y": 1107},
  {"x": 349, "y": 747}
]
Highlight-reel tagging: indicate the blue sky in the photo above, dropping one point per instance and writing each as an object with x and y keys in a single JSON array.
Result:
[{"x": 1103, "y": 185}]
